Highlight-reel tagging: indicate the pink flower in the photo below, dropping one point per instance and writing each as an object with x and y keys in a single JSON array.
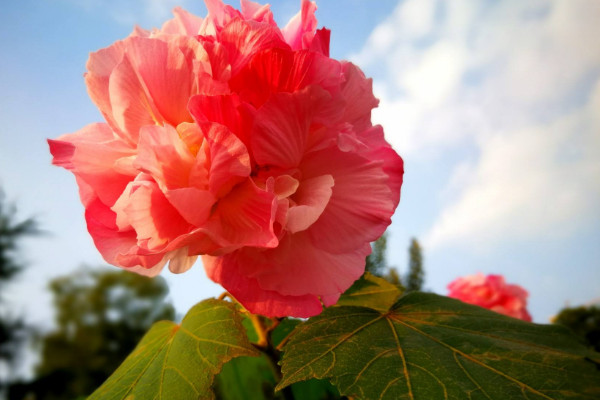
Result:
[
  {"x": 493, "y": 293},
  {"x": 230, "y": 138}
]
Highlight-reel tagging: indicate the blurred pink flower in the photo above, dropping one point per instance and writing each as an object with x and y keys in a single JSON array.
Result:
[
  {"x": 230, "y": 138},
  {"x": 493, "y": 293}
]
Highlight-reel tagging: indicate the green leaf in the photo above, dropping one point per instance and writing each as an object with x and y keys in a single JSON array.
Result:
[
  {"x": 247, "y": 378},
  {"x": 370, "y": 291},
  {"x": 178, "y": 362},
  {"x": 254, "y": 378},
  {"x": 432, "y": 347}
]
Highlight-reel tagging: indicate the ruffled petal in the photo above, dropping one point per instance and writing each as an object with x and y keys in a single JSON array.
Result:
[
  {"x": 118, "y": 247},
  {"x": 229, "y": 159},
  {"x": 227, "y": 110},
  {"x": 361, "y": 204},
  {"x": 99, "y": 68},
  {"x": 131, "y": 106},
  {"x": 300, "y": 30},
  {"x": 97, "y": 157},
  {"x": 311, "y": 198},
  {"x": 148, "y": 211},
  {"x": 184, "y": 23},
  {"x": 257, "y": 12},
  {"x": 298, "y": 267},
  {"x": 245, "y": 217},
  {"x": 225, "y": 271},
  {"x": 165, "y": 156},
  {"x": 282, "y": 70},
  {"x": 167, "y": 74},
  {"x": 242, "y": 39},
  {"x": 281, "y": 129},
  {"x": 358, "y": 93}
]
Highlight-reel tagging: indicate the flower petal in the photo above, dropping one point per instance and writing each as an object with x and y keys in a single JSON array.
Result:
[
  {"x": 225, "y": 270},
  {"x": 297, "y": 267},
  {"x": 299, "y": 31},
  {"x": 245, "y": 217},
  {"x": 311, "y": 198},
  {"x": 94, "y": 155},
  {"x": 184, "y": 23},
  {"x": 361, "y": 204},
  {"x": 281, "y": 129},
  {"x": 167, "y": 72}
]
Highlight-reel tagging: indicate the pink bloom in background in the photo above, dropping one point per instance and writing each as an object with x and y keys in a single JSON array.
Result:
[
  {"x": 493, "y": 293},
  {"x": 233, "y": 139}
]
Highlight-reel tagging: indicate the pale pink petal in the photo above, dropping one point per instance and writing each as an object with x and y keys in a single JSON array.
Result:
[
  {"x": 285, "y": 186},
  {"x": 93, "y": 155},
  {"x": 180, "y": 261},
  {"x": 167, "y": 75},
  {"x": 225, "y": 270},
  {"x": 219, "y": 14},
  {"x": 299, "y": 31},
  {"x": 257, "y": 12},
  {"x": 165, "y": 156},
  {"x": 152, "y": 215},
  {"x": 361, "y": 204},
  {"x": 194, "y": 205},
  {"x": 311, "y": 198},
  {"x": 100, "y": 66},
  {"x": 131, "y": 106},
  {"x": 229, "y": 159},
  {"x": 184, "y": 23}
]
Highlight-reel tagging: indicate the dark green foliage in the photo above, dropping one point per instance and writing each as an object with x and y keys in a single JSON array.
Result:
[
  {"x": 13, "y": 330},
  {"x": 100, "y": 317},
  {"x": 584, "y": 322},
  {"x": 431, "y": 347},
  {"x": 11, "y": 233},
  {"x": 416, "y": 274}
]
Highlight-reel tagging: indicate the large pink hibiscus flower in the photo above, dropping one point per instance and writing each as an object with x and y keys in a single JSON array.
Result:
[{"x": 230, "y": 138}]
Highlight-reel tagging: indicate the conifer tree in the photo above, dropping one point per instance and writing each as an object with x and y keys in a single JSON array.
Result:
[
  {"x": 13, "y": 330},
  {"x": 416, "y": 274}
]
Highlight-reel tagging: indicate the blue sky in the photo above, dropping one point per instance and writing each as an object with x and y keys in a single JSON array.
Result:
[{"x": 495, "y": 107}]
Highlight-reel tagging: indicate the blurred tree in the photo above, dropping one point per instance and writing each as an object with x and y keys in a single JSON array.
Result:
[
  {"x": 376, "y": 261},
  {"x": 415, "y": 277},
  {"x": 101, "y": 316},
  {"x": 13, "y": 330},
  {"x": 583, "y": 321}
]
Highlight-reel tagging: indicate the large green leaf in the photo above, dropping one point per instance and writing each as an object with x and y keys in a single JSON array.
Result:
[
  {"x": 432, "y": 347},
  {"x": 370, "y": 291},
  {"x": 178, "y": 362}
]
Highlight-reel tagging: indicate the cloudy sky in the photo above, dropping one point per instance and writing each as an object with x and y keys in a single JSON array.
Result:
[{"x": 495, "y": 107}]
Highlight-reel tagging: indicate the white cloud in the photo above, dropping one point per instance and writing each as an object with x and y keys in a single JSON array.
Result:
[
  {"x": 436, "y": 76},
  {"x": 544, "y": 179},
  {"x": 510, "y": 79}
]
